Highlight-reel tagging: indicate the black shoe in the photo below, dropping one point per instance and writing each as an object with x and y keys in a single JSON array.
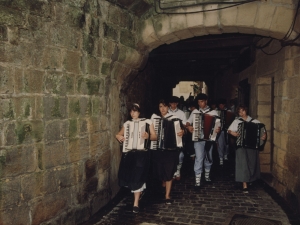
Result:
[
  {"x": 168, "y": 201},
  {"x": 245, "y": 190},
  {"x": 197, "y": 187},
  {"x": 136, "y": 209},
  {"x": 208, "y": 180}
]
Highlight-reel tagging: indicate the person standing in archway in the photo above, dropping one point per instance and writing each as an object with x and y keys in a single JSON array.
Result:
[
  {"x": 203, "y": 148},
  {"x": 247, "y": 166},
  {"x": 174, "y": 110},
  {"x": 134, "y": 165},
  {"x": 165, "y": 160}
]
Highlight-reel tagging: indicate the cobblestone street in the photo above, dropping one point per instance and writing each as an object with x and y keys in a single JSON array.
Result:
[{"x": 213, "y": 204}]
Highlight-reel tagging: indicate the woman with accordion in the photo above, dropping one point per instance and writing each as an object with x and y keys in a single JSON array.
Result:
[
  {"x": 165, "y": 154},
  {"x": 135, "y": 160},
  {"x": 250, "y": 134}
]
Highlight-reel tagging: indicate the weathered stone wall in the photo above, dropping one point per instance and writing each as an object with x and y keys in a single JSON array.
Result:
[
  {"x": 275, "y": 97},
  {"x": 62, "y": 64}
]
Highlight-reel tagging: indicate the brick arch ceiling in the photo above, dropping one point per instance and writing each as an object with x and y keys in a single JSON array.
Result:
[{"x": 270, "y": 19}]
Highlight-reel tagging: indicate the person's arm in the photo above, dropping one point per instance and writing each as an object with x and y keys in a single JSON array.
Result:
[
  {"x": 153, "y": 136},
  {"x": 120, "y": 135},
  {"x": 233, "y": 128}
]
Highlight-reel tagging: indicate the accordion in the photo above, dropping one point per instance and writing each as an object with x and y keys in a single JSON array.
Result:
[
  {"x": 166, "y": 130},
  {"x": 250, "y": 135},
  {"x": 133, "y": 131},
  {"x": 227, "y": 117},
  {"x": 205, "y": 126}
]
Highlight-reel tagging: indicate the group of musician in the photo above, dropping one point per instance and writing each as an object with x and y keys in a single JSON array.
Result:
[{"x": 167, "y": 158}]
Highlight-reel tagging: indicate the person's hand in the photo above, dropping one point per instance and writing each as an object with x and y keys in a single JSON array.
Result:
[
  {"x": 120, "y": 138},
  {"x": 145, "y": 135},
  {"x": 180, "y": 134},
  {"x": 235, "y": 134},
  {"x": 264, "y": 137},
  {"x": 190, "y": 129}
]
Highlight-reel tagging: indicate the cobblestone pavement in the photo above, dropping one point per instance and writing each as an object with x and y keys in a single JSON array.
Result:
[{"x": 213, "y": 204}]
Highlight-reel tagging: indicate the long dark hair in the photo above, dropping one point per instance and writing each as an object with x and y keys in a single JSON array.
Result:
[{"x": 164, "y": 102}]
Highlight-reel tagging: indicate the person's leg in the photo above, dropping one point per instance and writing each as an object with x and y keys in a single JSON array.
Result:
[
  {"x": 136, "y": 198},
  {"x": 221, "y": 146},
  {"x": 177, "y": 173},
  {"x": 208, "y": 164},
  {"x": 168, "y": 188},
  {"x": 198, "y": 166}
]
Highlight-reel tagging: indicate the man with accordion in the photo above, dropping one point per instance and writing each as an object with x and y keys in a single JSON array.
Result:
[
  {"x": 205, "y": 127},
  {"x": 251, "y": 136}
]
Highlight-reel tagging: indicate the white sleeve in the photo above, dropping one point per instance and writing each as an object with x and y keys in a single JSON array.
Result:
[
  {"x": 234, "y": 125},
  {"x": 190, "y": 119}
]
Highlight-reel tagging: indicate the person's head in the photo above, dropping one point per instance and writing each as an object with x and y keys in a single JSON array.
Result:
[
  {"x": 192, "y": 105},
  {"x": 242, "y": 110},
  {"x": 202, "y": 100},
  {"x": 213, "y": 105},
  {"x": 163, "y": 107},
  {"x": 173, "y": 102},
  {"x": 222, "y": 103},
  {"x": 135, "y": 111}
]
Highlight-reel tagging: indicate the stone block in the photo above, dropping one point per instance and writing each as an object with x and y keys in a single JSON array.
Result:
[
  {"x": 100, "y": 200},
  {"x": 284, "y": 120},
  {"x": 95, "y": 106},
  {"x": 292, "y": 87},
  {"x": 72, "y": 62},
  {"x": 32, "y": 185},
  {"x": 54, "y": 154},
  {"x": 266, "y": 121},
  {"x": 281, "y": 18},
  {"x": 43, "y": 209},
  {"x": 93, "y": 65},
  {"x": 293, "y": 144},
  {"x": 110, "y": 32},
  {"x": 33, "y": 81},
  {"x": 284, "y": 141},
  {"x": 211, "y": 18},
  {"x": 104, "y": 161},
  {"x": 267, "y": 147},
  {"x": 53, "y": 131},
  {"x": 55, "y": 83},
  {"x": 73, "y": 153},
  {"x": 10, "y": 192},
  {"x": 245, "y": 14},
  {"x": 104, "y": 123},
  {"x": 292, "y": 164},
  {"x": 281, "y": 158},
  {"x": 7, "y": 109},
  {"x": 287, "y": 106},
  {"x": 24, "y": 107},
  {"x": 228, "y": 17},
  {"x": 65, "y": 177},
  {"x": 108, "y": 48},
  {"x": 105, "y": 68},
  {"x": 9, "y": 215},
  {"x": 148, "y": 34},
  {"x": 277, "y": 139},
  {"x": 265, "y": 159},
  {"x": 11, "y": 17},
  {"x": 264, "y": 15},
  {"x": 129, "y": 57},
  {"x": 55, "y": 107},
  {"x": 264, "y": 110},
  {"x": 278, "y": 172},
  {"x": 296, "y": 64},
  {"x": 6, "y": 80},
  {"x": 127, "y": 38},
  {"x": 296, "y": 106},
  {"x": 83, "y": 126},
  {"x": 95, "y": 143},
  {"x": 265, "y": 169},
  {"x": 84, "y": 148},
  {"x": 93, "y": 124},
  {"x": 74, "y": 107},
  {"x": 288, "y": 68},
  {"x": 293, "y": 124},
  {"x": 85, "y": 107},
  {"x": 264, "y": 80},
  {"x": 263, "y": 93}
]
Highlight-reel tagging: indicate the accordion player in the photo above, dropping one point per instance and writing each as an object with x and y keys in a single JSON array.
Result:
[
  {"x": 133, "y": 130},
  {"x": 205, "y": 126},
  {"x": 166, "y": 130},
  {"x": 250, "y": 135}
]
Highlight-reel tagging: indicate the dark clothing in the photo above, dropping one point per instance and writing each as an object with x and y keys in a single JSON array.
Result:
[
  {"x": 247, "y": 166},
  {"x": 164, "y": 164},
  {"x": 134, "y": 168}
]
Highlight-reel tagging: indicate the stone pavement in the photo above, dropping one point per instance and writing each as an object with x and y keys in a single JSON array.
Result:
[{"x": 214, "y": 204}]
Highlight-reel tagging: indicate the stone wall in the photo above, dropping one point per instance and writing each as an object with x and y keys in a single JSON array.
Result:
[
  {"x": 275, "y": 97},
  {"x": 62, "y": 64}
]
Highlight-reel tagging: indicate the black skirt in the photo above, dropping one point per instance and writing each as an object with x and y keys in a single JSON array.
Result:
[
  {"x": 165, "y": 164},
  {"x": 134, "y": 168}
]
